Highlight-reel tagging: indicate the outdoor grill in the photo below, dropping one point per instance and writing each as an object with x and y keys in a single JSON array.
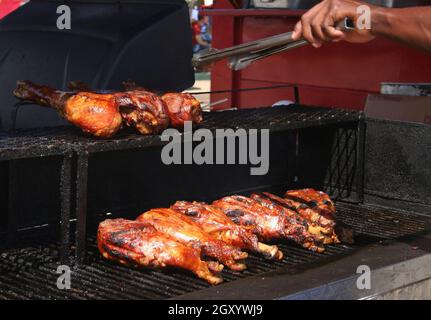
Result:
[{"x": 59, "y": 184}]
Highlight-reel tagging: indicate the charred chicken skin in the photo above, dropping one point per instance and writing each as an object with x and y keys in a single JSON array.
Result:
[
  {"x": 181, "y": 107},
  {"x": 214, "y": 222},
  {"x": 293, "y": 218},
  {"x": 95, "y": 114},
  {"x": 317, "y": 200},
  {"x": 267, "y": 223},
  {"x": 316, "y": 207},
  {"x": 144, "y": 111},
  {"x": 140, "y": 244},
  {"x": 322, "y": 226},
  {"x": 187, "y": 231},
  {"x": 141, "y": 110}
]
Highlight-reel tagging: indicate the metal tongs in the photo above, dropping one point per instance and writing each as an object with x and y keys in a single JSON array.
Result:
[{"x": 241, "y": 56}]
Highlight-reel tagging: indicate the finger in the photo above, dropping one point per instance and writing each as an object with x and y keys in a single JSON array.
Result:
[
  {"x": 333, "y": 33},
  {"x": 297, "y": 32},
  {"x": 306, "y": 29},
  {"x": 317, "y": 24},
  {"x": 306, "y": 20},
  {"x": 317, "y": 44}
]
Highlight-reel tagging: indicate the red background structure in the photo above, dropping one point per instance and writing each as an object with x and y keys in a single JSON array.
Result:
[
  {"x": 7, "y": 6},
  {"x": 337, "y": 75}
]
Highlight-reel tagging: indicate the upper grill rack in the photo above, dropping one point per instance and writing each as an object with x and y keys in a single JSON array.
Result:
[
  {"x": 30, "y": 272},
  {"x": 272, "y": 118}
]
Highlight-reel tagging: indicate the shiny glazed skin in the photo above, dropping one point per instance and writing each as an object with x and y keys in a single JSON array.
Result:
[
  {"x": 214, "y": 222},
  {"x": 180, "y": 106},
  {"x": 296, "y": 228},
  {"x": 139, "y": 244},
  {"x": 317, "y": 223},
  {"x": 317, "y": 200},
  {"x": 183, "y": 107},
  {"x": 143, "y": 110},
  {"x": 268, "y": 223},
  {"x": 185, "y": 230},
  {"x": 95, "y": 114}
]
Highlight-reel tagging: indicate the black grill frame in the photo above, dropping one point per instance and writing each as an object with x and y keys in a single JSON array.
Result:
[
  {"x": 71, "y": 143},
  {"x": 77, "y": 148},
  {"x": 24, "y": 145}
]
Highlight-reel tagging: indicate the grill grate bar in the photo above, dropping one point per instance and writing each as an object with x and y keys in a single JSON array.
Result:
[{"x": 149, "y": 277}]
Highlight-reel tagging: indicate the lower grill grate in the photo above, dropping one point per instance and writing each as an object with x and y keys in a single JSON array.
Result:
[{"x": 30, "y": 272}]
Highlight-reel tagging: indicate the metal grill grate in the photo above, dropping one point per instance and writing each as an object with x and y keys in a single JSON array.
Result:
[
  {"x": 45, "y": 140},
  {"x": 30, "y": 272}
]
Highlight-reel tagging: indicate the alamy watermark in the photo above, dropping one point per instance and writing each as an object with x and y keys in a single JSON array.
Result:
[
  {"x": 64, "y": 280},
  {"x": 64, "y": 20},
  {"x": 363, "y": 21},
  {"x": 364, "y": 280},
  {"x": 225, "y": 146}
]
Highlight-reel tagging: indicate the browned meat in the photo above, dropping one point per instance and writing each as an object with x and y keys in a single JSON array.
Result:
[
  {"x": 181, "y": 107},
  {"x": 141, "y": 110},
  {"x": 322, "y": 226},
  {"x": 292, "y": 216},
  {"x": 185, "y": 230},
  {"x": 144, "y": 111},
  {"x": 317, "y": 200},
  {"x": 95, "y": 114},
  {"x": 267, "y": 223},
  {"x": 216, "y": 223},
  {"x": 317, "y": 208},
  {"x": 139, "y": 244}
]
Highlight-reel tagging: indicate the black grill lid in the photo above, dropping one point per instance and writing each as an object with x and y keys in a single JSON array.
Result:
[{"x": 109, "y": 42}]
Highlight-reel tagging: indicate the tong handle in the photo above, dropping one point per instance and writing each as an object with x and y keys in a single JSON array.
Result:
[
  {"x": 206, "y": 57},
  {"x": 242, "y": 55}
]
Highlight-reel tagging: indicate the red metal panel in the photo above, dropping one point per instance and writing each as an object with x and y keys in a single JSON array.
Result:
[
  {"x": 339, "y": 74},
  {"x": 7, "y": 6}
]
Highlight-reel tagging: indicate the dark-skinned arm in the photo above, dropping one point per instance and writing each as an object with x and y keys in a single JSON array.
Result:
[{"x": 411, "y": 26}]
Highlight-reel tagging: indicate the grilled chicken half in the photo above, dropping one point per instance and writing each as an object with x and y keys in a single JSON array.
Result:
[
  {"x": 95, "y": 114},
  {"x": 187, "y": 231},
  {"x": 214, "y": 222},
  {"x": 140, "y": 244},
  {"x": 267, "y": 222}
]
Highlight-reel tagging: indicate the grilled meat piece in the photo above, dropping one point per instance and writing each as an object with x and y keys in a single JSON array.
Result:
[
  {"x": 292, "y": 216},
  {"x": 141, "y": 110},
  {"x": 317, "y": 208},
  {"x": 317, "y": 200},
  {"x": 266, "y": 222},
  {"x": 144, "y": 111},
  {"x": 181, "y": 107},
  {"x": 140, "y": 244},
  {"x": 216, "y": 223},
  {"x": 185, "y": 230},
  {"x": 95, "y": 114},
  {"x": 318, "y": 224}
]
